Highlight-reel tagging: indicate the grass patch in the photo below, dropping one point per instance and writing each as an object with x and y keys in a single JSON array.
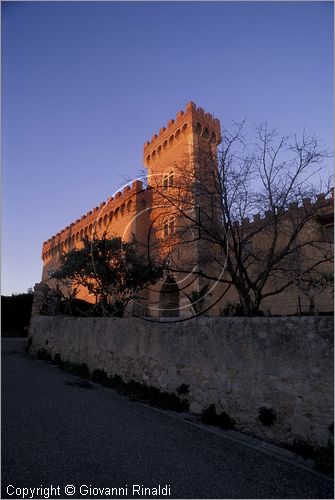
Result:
[
  {"x": 211, "y": 417},
  {"x": 135, "y": 390},
  {"x": 323, "y": 455},
  {"x": 155, "y": 397},
  {"x": 81, "y": 370},
  {"x": 324, "y": 458},
  {"x": 43, "y": 354},
  {"x": 57, "y": 359},
  {"x": 101, "y": 377}
]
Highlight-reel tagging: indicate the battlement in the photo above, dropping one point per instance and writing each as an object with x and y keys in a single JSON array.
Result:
[
  {"x": 99, "y": 216},
  {"x": 192, "y": 120},
  {"x": 323, "y": 203}
]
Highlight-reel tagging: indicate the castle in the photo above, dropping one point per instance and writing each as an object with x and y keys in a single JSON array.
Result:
[{"x": 144, "y": 212}]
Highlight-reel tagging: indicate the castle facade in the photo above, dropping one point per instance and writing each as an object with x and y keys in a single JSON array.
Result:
[{"x": 143, "y": 211}]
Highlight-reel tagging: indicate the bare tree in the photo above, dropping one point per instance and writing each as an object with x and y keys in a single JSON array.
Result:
[{"x": 275, "y": 181}]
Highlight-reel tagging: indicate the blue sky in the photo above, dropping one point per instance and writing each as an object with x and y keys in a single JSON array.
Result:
[{"x": 85, "y": 84}]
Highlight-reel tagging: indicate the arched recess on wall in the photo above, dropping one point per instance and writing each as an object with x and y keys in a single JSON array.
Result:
[
  {"x": 198, "y": 129},
  {"x": 169, "y": 298},
  {"x": 205, "y": 134}
]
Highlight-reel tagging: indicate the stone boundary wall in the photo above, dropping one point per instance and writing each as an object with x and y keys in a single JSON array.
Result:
[{"x": 239, "y": 364}]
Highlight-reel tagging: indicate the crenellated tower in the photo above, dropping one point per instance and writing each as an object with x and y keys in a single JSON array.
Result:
[
  {"x": 191, "y": 134},
  {"x": 182, "y": 162}
]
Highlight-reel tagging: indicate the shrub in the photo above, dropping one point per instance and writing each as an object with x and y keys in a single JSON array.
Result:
[
  {"x": 161, "y": 399},
  {"x": 57, "y": 359},
  {"x": 75, "y": 307},
  {"x": 322, "y": 455},
  {"x": 43, "y": 354},
  {"x": 81, "y": 370},
  {"x": 101, "y": 377},
  {"x": 235, "y": 309},
  {"x": 149, "y": 394},
  {"x": 324, "y": 458},
  {"x": 29, "y": 344},
  {"x": 183, "y": 389},
  {"x": 303, "y": 447},
  {"x": 223, "y": 420},
  {"x": 232, "y": 309},
  {"x": 136, "y": 390},
  {"x": 116, "y": 382},
  {"x": 267, "y": 416},
  {"x": 209, "y": 415}
]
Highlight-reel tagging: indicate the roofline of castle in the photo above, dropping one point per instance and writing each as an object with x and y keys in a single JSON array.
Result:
[
  {"x": 192, "y": 115},
  {"x": 113, "y": 202},
  {"x": 324, "y": 201}
]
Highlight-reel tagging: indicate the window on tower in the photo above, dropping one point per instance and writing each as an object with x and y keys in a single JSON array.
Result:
[
  {"x": 169, "y": 227},
  {"x": 168, "y": 180}
]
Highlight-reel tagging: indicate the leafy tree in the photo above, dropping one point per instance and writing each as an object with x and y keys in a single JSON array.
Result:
[
  {"x": 110, "y": 269},
  {"x": 313, "y": 283},
  {"x": 16, "y": 312}
]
